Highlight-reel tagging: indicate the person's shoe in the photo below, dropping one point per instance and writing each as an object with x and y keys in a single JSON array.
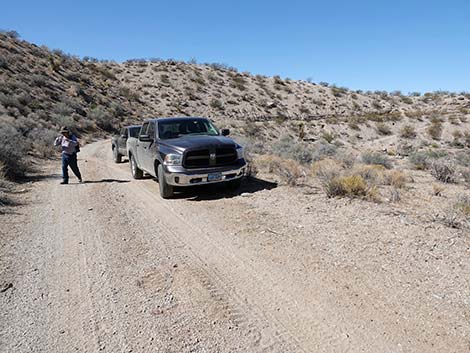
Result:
[
  {"x": 64, "y": 182},
  {"x": 80, "y": 180}
]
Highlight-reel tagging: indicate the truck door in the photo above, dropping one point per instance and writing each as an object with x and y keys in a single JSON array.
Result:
[
  {"x": 122, "y": 140},
  {"x": 149, "y": 154},
  {"x": 141, "y": 146}
]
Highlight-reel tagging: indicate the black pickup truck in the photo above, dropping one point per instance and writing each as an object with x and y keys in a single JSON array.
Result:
[
  {"x": 183, "y": 152},
  {"x": 119, "y": 142}
]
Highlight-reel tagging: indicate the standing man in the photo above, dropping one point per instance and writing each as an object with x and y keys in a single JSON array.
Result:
[{"x": 70, "y": 147}]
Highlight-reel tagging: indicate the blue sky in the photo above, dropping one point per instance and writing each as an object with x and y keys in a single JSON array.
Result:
[{"x": 386, "y": 45}]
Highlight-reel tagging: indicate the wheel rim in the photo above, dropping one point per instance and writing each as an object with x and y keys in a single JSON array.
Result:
[{"x": 133, "y": 166}]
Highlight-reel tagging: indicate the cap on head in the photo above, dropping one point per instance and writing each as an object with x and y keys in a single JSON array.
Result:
[{"x": 64, "y": 130}]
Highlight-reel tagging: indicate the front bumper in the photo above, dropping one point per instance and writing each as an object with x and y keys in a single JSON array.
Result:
[{"x": 179, "y": 176}]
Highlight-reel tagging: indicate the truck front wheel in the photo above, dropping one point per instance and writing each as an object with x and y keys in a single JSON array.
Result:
[
  {"x": 136, "y": 172},
  {"x": 166, "y": 190}
]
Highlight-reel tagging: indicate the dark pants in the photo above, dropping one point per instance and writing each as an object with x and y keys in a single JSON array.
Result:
[{"x": 70, "y": 160}]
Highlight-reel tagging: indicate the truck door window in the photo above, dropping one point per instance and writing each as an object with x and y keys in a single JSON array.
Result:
[
  {"x": 151, "y": 130},
  {"x": 143, "y": 130}
]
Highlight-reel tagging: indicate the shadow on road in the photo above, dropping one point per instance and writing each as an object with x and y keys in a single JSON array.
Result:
[
  {"x": 105, "y": 181},
  {"x": 249, "y": 185}
]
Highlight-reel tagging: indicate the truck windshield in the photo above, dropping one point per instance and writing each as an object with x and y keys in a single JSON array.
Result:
[{"x": 182, "y": 127}]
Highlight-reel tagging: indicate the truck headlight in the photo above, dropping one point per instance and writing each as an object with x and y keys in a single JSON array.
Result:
[
  {"x": 240, "y": 152},
  {"x": 172, "y": 159}
]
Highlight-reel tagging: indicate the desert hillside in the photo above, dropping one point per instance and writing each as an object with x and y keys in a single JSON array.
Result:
[
  {"x": 278, "y": 120},
  {"x": 349, "y": 233}
]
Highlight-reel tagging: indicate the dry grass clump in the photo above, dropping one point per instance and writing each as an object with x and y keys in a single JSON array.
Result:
[
  {"x": 463, "y": 205},
  {"x": 358, "y": 182},
  {"x": 289, "y": 170},
  {"x": 396, "y": 178},
  {"x": 371, "y": 173},
  {"x": 408, "y": 132},
  {"x": 326, "y": 169},
  {"x": 437, "y": 189},
  {"x": 348, "y": 185},
  {"x": 383, "y": 128}
]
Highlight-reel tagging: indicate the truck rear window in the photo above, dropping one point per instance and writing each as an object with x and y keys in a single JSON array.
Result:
[{"x": 134, "y": 131}]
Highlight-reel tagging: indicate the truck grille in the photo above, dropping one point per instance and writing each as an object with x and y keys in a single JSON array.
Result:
[{"x": 202, "y": 158}]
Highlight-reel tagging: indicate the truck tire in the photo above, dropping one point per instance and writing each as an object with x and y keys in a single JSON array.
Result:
[
  {"x": 116, "y": 156},
  {"x": 234, "y": 184},
  {"x": 166, "y": 191},
  {"x": 136, "y": 172}
]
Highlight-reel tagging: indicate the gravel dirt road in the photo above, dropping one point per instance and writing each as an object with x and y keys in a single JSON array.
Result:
[{"x": 108, "y": 266}]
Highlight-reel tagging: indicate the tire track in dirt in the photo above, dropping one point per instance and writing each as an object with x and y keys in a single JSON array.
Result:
[{"x": 266, "y": 333}]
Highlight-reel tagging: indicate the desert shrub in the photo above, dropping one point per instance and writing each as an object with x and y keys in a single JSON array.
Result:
[
  {"x": 463, "y": 205},
  {"x": 128, "y": 93},
  {"x": 443, "y": 171},
  {"x": 466, "y": 175},
  {"x": 216, "y": 104},
  {"x": 371, "y": 173},
  {"x": 423, "y": 159},
  {"x": 377, "y": 159},
  {"x": 396, "y": 178},
  {"x": 165, "y": 79},
  {"x": 289, "y": 148},
  {"x": 349, "y": 185},
  {"x": 238, "y": 81},
  {"x": 13, "y": 152},
  {"x": 42, "y": 142},
  {"x": 3, "y": 62},
  {"x": 39, "y": 80},
  {"x": 289, "y": 170},
  {"x": 323, "y": 149},
  {"x": 10, "y": 101},
  {"x": 406, "y": 100},
  {"x": 435, "y": 129},
  {"x": 326, "y": 169},
  {"x": 278, "y": 80},
  {"x": 338, "y": 91},
  {"x": 383, "y": 129},
  {"x": 408, "y": 131},
  {"x": 102, "y": 118},
  {"x": 463, "y": 158},
  {"x": 63, "y": 108},
  {"x": 328, "y": 136},
  {"x": 198, "y": 80},
  {"x": 437, "y": 189}
]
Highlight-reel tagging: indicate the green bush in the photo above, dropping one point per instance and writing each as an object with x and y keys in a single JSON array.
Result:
[
  {"x": 288, "y": 148},
  {"x": 13, "y": 152},
  {"x": 377, "y": 159}
]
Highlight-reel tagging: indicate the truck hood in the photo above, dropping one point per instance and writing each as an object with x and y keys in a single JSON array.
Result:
[{"x": 193, "y": 142}]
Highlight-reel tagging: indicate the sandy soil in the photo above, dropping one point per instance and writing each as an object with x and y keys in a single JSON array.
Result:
[{"x": 110, "y": 266}]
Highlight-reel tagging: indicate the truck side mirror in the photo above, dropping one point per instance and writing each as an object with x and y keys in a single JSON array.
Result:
[
  {"x": 124, "y": 136},
  {"x": 225, "y": 132}
]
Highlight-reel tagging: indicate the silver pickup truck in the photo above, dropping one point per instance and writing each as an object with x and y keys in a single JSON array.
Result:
[
  {"x": 183, "y": 152},
  {"x": 119, "y": 142}
]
